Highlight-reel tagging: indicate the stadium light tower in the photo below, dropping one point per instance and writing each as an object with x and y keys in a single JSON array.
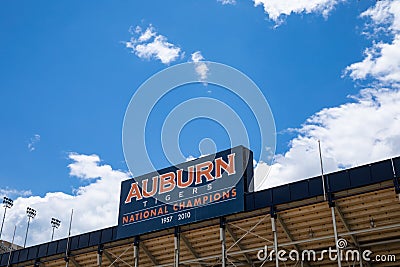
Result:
[
  {"x": 31, "y": 213},
  {"x": 55, "y": 223},
  {"x": 7, "y": 203}
]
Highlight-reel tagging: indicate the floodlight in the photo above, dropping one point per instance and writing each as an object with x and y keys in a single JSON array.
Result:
[
  {"x": 55, "y": 223},
  {"x": 31, "y": 213},
  {"x": 7, "y": 203}
]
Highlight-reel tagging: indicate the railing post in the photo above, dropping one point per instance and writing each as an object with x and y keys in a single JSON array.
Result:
[
  {"x": 136, "y": 251},
  {"x": 275, "y": 234},
  {"x": 222, "y": 238},
  {"x": 177, "y": 246}
]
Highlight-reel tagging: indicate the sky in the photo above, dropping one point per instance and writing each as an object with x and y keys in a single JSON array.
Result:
[{"x": 329, "y": 70}]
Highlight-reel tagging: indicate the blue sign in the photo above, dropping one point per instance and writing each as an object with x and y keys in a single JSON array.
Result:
[{"x": 204, "y": 188}]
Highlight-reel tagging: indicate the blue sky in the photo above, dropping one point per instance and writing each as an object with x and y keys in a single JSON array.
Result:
[{"x": 68, "y": 74}]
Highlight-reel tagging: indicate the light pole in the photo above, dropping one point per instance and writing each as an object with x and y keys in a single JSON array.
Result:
[
  {"x": 31, "y": 213},
  {"x": 7, "y": 203},
  {"x": 55, "y": 223}
]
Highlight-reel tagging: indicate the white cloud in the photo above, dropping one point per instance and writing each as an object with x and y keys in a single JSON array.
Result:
[
  {"x": 200, "y": 66},
  {"x": 95, "y": 205},
  {"x": 12, "y": 193},
  {"x": 33, "y": 141},
  {"x": 384, "y": 13},
  {"x": 382, "y": 60},
  {"x": 357, "y": 132},
  {"x": 149, "y": 44},
  {"x": 352, "y": 134},
  {"x": 147, "y": 35},
  {"x": 197, "y": 56},
  {"x": 227, "y": 2},
  {"x": 87, "y": 166},
  {"x": 275, "y": 9},
  {"x": 190, "y": 158}
]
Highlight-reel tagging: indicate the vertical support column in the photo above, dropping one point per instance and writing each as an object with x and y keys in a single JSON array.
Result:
[
  {"x": 275, "y": 234},
  {"x": 37, "y": 263},
  {"x": 177, "y": 246},
  {"x": 222, "y": 238},
  {"x": 100, "y": 250},
  {"x": 361, "y": 258},
  {"x": 332, "y": 206},
  {"x": 136, "y": 251}
]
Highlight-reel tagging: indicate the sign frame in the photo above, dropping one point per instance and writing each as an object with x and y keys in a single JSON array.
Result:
[{"x": 166, "y": 198}]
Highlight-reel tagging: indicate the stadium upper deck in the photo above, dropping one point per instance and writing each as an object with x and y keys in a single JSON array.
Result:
[{"x": 293, "y": 218}]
